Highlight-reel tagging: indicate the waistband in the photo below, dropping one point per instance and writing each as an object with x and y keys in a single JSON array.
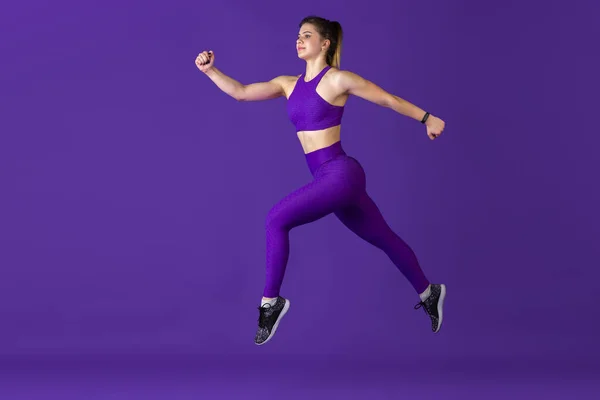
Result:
[{"x": 317, "y": 158}]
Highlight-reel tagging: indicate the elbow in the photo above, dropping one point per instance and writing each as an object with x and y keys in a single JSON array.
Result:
[
  {"x": 239, "y": 95},
  {"x": 388, "y": 101}
]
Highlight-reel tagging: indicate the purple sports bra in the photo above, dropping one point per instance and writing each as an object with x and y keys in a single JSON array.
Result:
[{"x": 310, "y": 112}]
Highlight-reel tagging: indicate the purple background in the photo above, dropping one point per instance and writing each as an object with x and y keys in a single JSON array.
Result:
[{"x": 134, "y": 193}]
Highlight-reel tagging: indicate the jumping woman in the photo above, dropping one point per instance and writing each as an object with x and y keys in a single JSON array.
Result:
[{"x": 315, "y": 107}]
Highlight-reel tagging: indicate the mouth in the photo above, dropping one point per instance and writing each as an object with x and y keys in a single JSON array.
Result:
[{"x": 300, "y": 48}]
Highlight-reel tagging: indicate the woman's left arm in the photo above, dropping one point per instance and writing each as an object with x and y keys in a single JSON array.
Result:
[{"x": 356, "y": 85}]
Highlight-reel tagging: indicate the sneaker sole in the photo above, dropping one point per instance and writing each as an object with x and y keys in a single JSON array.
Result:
[
  {"x": 440, "y": 307},
  {"x": 286, "y": 307}
]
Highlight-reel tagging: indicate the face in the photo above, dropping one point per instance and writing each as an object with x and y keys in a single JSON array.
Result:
[{"x": 309, "y": 44}]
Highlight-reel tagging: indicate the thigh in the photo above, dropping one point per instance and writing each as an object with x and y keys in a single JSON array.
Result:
[
  {"x": 364, "y": 219},
  {"x": 327, "y": 193}
]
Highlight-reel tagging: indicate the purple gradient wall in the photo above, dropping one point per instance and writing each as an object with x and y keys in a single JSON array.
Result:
[{"x": 134, "y": 192}]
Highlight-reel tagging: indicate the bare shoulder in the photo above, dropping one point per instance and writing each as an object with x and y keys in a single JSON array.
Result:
[
  {"x": 343, "y": 79},
  {"x": 285, "y": 79},
  {"x": 286, "y": 83}
]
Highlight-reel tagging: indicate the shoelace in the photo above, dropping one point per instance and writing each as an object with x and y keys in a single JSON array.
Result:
[
  {"x": 262, "y": 316},
  {"x": 424, "y": 305}
]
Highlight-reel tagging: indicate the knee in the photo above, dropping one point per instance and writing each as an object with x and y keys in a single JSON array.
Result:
[
  {"x": 384, "y": 239},
  {"x": 275, "y": 220}
]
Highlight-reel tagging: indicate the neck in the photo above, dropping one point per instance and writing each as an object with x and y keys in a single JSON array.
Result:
[{"x": 313, "y": 67}]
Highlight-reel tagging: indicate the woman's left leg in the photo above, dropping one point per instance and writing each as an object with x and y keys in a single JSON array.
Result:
[{"x": 365, "y": 219}]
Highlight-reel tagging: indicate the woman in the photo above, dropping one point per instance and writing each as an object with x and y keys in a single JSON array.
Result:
[{"x": 315, "y": 106}]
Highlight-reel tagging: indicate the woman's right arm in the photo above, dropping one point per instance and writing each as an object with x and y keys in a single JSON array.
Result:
[{"x": 252, "y": 92}]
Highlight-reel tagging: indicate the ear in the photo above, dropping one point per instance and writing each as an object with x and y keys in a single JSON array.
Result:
[{"x": 326, "y": 44}]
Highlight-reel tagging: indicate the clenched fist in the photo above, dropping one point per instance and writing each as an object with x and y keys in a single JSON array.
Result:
[
  {"x": 435, "y": 127},
  {"x": 205, "y": 60}
]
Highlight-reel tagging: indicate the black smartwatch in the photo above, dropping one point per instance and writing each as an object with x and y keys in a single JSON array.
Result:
[{"x": 425, "y": 118}]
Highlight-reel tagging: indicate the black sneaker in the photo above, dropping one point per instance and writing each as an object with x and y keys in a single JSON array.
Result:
[
  {"x": 434, "y": 306},
  {"x": 269, "y": 319}
]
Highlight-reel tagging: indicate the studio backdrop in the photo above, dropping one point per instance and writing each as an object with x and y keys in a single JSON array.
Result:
[{"x": 134, "y": 192}]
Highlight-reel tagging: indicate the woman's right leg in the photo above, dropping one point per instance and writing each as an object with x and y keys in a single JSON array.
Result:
[{"x": 334, "y": 187}]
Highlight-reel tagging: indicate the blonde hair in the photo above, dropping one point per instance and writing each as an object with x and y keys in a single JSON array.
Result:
[{"x": 337, "y": 52}]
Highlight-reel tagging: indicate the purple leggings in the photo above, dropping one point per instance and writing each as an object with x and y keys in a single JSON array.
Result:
[{"x": 339, "y": 187}]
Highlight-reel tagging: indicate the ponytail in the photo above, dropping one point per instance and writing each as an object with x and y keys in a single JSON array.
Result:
[{"x": 334, "y": 54}]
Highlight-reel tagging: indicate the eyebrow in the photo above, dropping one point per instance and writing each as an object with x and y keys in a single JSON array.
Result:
[{"x": 306, "y": 32}]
